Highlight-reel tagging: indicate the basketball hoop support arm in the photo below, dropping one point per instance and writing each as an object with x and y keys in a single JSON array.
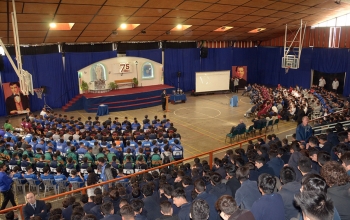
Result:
[
  {"x": 293, "y": 45},
  {"x": 22, "y": 74}
]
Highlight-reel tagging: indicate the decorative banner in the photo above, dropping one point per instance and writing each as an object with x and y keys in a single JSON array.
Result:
[
  {"x": 125, "y": 68},
  {"x": 16, "y": 102},
  {"x": 240, "y": 72}
]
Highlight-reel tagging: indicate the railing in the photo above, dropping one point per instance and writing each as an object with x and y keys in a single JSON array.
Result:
[
  {"x": 340, "y": 111},
  {"x": 210, "y": 154},
  {"x": 322, "y": 127}
]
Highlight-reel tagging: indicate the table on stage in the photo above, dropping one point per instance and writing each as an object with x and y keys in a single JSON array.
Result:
[
  {"x": 177, "y": 98},
  {"x": 102, "y": 110}
]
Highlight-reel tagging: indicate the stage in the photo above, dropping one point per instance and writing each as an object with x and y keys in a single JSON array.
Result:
[{"x": 120, "y": 99}]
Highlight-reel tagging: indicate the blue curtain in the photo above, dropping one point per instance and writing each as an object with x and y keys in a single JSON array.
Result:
[
  {"x": 2, "y": 99},
  {"x": 46, "y": 70},
  {"x": 75, "y": 62},
  {"x": 330, "y": 60},
  {"x": 346, "y": 91},
  {"x": 155, "y": 55},
  {"x": 217, "y": 59},
  {"x": 185, "y": 61}
]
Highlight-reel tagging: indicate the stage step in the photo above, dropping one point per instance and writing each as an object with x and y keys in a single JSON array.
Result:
[
  {"x": 120, "y": 100},
  {"x": 70, "y": 105}
]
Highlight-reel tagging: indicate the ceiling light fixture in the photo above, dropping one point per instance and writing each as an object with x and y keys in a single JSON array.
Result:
[
  {"x": 257, "y": 30},
  {"x": 180, "y": 27},
  {"x": 61, "y": 26},
  {"x": 123, "y": 26},
  {"x": 223, "y": 28}
]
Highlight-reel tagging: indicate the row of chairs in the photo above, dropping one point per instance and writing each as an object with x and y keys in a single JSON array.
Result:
[
  {"x": 60, "y": 186},
  {"x": 251, "y": 130}
]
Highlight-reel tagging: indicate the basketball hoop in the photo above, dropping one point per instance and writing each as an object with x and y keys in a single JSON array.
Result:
[
  {"x": 39, "y": 92},
  {"x": 287, "y": 69}
]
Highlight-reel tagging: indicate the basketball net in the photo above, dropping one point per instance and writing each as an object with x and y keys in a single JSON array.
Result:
[
  {"x": 39, "y": 92},
  {"x": 287, "y": 69}
]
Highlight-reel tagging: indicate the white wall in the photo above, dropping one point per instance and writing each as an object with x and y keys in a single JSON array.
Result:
[{"x": 112, "y": 71}]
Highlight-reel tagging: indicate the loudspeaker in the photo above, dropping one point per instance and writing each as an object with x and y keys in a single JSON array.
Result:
[
  {"x": 179, "y": 74},
  {"x": 44, "y": 89},
  {"x": 204, "y": 52},
  {"x": 2, "y": 67}
]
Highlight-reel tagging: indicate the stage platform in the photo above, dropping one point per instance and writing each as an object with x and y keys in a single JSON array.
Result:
[{"x": 120, "y": 99}]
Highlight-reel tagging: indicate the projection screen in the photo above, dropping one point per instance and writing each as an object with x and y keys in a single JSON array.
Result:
[{"x": 212, "y": 81}]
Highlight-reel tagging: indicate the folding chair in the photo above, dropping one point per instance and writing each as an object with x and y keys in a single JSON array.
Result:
[
  {"x": 53, "y": 170},
  {"x": 32, "y": 186},
  {"x": 276, "y": 122},
  {"x": 12, "y": 166},
  {"x": 68, "y": 170},
  {"x": 75, "y": 185},
  {"x": 62, "y": 186},
  {"x": 128, "y": 171},
  {"x": 40, "y": 170},
  {"x": 231, "y": 136},
  {"x": 19, "y": 186},
  {"x": 270, "y": 124},
  {"x": 48, "y": 184}
]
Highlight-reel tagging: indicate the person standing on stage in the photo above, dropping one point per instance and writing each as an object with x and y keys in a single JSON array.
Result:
[
  {"x": 6, "y": 186},
  {"x": 163, "y": 99},
  {"x": 335, "y": 85},
  {"x": 236, "y": 84},
  {"x": 322, "y": 82}
]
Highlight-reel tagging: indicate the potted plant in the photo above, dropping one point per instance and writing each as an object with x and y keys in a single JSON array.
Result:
[
  {"x": 136, "y": 82},
  {"x": 113, "y": 86},
  {"x": 84, "y": 86}
]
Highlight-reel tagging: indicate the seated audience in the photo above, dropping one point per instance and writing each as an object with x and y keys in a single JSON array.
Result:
[
  {"x": 228, "y": 209},
  {"x": 270, "y": 204}
]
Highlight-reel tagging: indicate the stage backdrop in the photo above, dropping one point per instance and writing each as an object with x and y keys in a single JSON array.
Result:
[
  {"x": 98, "y": 75},
  {"x": 16, "y": 102}
]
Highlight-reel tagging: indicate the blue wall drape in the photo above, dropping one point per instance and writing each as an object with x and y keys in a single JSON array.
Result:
[
  {"x": 2, "y": 100},
  {"x": 46, "y": 70},
  {"x": 185, "y": 61},
  {"x": 330, "y": 60},
  {"x": 217, "y": 59},
  {"x": 346, "y": 91},
  {"x": 155, "y": 55},
  {"x": 75, "y": 62}
]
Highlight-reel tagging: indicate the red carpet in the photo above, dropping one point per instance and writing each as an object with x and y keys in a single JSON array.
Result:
[{"x": 127, "y": 91}]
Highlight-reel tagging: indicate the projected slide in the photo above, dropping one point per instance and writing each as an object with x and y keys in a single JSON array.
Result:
[{"x": 212, "y": 81}]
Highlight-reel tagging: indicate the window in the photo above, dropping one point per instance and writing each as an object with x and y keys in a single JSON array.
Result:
[
  {"x": 340, "y": 21},
  {"x": 147, "y": 71}
]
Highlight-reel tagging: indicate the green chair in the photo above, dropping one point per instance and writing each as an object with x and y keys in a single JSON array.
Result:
[
  {"x": 249, "y": 130},
  {"x": 231, "y": 136},
  {"x": 258, "y": 128},
  {"x": 276, "y": 122},
  {"x": 270, "y": 124},
  {"x": 240, "y": 133}
]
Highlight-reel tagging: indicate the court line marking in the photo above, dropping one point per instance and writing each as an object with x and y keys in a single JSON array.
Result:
[{"x": 209, "y": 117}]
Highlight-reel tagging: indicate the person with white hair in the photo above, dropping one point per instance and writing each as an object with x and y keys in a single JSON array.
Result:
[{"x": 240, "y": 127}]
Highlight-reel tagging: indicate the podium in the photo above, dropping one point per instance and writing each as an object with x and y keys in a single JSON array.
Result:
[
  {"x": 167, "y": 103},
  {"x": 234, "y": 101}
]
